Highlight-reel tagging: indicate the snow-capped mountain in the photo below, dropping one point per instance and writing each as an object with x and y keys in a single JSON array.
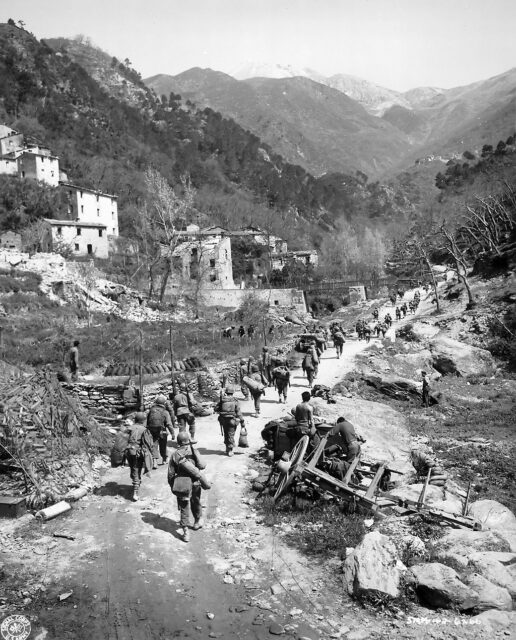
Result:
[{"x": 273, "y": 70}]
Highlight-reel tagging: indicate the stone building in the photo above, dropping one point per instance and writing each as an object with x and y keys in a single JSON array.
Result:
[
  {"x": 88, "y": 205},
  {"x": 279, "y": 260},
  {"x": 37, "y": 164},
  {"x": 82, "y": 238},
  {"x": 206, "y": 261}
]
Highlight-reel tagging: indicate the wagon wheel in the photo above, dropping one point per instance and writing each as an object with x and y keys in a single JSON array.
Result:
[{"x": 294, "y": 460}]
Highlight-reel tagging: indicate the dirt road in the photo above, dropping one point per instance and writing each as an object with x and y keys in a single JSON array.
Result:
[{"x": 132, "y": 577}]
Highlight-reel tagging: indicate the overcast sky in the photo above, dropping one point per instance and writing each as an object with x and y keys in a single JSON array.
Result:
[{"x": 399, "y": 44}]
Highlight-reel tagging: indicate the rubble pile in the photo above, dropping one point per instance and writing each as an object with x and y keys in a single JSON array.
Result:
[{"x": 47, "y": 441}]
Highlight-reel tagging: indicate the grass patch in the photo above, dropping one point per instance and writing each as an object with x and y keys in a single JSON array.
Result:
[{"x": 23, "y": 282}]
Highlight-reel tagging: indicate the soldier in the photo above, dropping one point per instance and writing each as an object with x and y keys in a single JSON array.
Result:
[
  {"x": 281, "y": 378},
  {"x": 250, "y": 331},
  {"x": 229, "y": 412},
  {"x": 375, "y": 314},
  {"x": 367, "y": 333},
  {"x": 243, "y": 371},
  {"x": 139, "y": 452},
  {"x": 256, "y": 387},
  {"x": 378, "y": 328},
  {"x": 159, "y": 423},
  {"x": 186, "y": 482},
  {"x": 425, "y": 394},
  {"x": 398, "y": 313},
  {"x": 304, "y": 415},
  {"x": 388, "y": 320},
  {"x": 73, "y": 359},
  {"x": 267, "y": 365},
  {"x": 309, "y": 368},
  {"x": 241, "y": 332},
  {"x": 183, "y": 403},
  {"x": 404, "y": 309},
  {"x": 383, "y": 329},
  {"x": 338, "y": 341},
  {"x": 314, "y": 352}
]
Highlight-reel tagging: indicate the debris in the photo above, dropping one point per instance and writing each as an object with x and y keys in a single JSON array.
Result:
[
  {"x": 368, "y": 522},
  {"x": 210, "y": 616},
  {"x": 64, "y": 596},
  {"x": 228, "y": 579},
  {"x": 63, "y": 534},
  {"x": 53, "y": 511},
  {"x": 276, "y": 588},
  {"x": 295, "y": 612},
  {"x": 276, "y": 629}
]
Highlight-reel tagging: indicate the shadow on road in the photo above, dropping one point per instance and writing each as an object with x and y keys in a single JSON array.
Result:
[
  {"x": 211, "y": 452},
  {"x": 163, "y": 524},
  {"x": 115, "y": 489}
]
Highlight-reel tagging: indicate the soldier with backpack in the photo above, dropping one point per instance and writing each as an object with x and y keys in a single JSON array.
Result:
[
  {"x": 159, "y": 422},
  {"x": 187, "y": 482},
  {"x": 139, "y": 452},
  {"x": 183, "y": 403},
  {"x": 256, "y": 384},
  {"x": 281, "y": 378},
  {"x": 267, "y": 365},
  {"x": 309, "y": 368},
  {"x": 230, "y": 415},
  {"x": 338, "y": 341}
]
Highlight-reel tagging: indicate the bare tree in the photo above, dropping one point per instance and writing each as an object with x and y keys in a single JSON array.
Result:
[
  {"x": 34, "y": 236},
  {"x": 459, "y": 253},
  {"x": 161, "y": 218}
]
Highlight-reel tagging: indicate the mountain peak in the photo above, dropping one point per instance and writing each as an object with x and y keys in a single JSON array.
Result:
[{"x": 273, "y": 70}]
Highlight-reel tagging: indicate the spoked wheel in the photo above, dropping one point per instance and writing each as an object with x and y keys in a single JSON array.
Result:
[{"x": 291, "y": 465}]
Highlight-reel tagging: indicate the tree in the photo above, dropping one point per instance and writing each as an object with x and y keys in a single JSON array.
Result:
[
  {"x": 162, "y": 216},
  {"x": 88, "y": 281},
  {"x": 34, "y": 235},
  {"x": 458, "y": 252}
]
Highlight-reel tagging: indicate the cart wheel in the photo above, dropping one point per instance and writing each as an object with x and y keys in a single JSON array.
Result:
[{"x": 295, "y": 459}]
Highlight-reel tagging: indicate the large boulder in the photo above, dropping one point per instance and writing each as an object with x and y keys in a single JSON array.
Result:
[
  {"x": 373, "y": 566},
  {"x": 436, "y": 497},
  {"x": 439, "y": 586},
  {"x": 451, "y": 357},
  {"x": 488, "y": 564},
  {"x": 490, "y": 596},
  {"x": 497, "y": 517},
  {"x": 464, "y": 542},
  {"x": 495, "y": 622}
]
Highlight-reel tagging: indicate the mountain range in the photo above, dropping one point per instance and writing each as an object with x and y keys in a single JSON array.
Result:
[{"x": 344, "y": 123}]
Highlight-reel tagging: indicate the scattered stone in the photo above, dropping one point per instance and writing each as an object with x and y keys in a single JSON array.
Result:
[
  {"x": 497, "y": 517},
  {"x": 493, "y": 622},
  {"x": 276, "y": 588},
  {"x": 451, "y": 357},
  {"x": 276, "y": 629},
  {"x": 439, "y": 586},
  {"x": 373, "y": 567},
  {"x": 359, "y": 634},
  {"x": 463, "y": 542},
  {"x": 210, "y": 616},
  {"x": 228, "y": 579},
  {"x": 490, "y": 595}
]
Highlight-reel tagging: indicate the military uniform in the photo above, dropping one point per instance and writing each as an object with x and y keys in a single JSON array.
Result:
[{"x": 230, "y": 415}]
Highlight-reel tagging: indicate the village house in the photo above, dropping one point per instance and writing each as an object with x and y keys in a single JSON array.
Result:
[
  {"x": 279, "y": 260},
  {"x": 38, "y": 165},
  {"x": 88, "y": 205},
  {"x": 11, "y": 240},
  {"x": 205, "y": 261},
  {"x": 81, "y": 238}
]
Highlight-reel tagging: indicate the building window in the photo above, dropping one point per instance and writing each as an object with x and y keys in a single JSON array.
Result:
[
  {"x": 52, "y": 174},
  {"x": 79, "y": 231},
  {"x": 97, "y": 196},
  {"x": 76, "y": 247},
  {"x": 226, "y": 252},
  {"x": 98, "y": 213},
  {"x": 212, "y": 263},
  {"x": 114, "y": 230},
  {"x": 90, "y": 249},
  {"x": 82, "y": 208},
  {"x": 23, "y": 174},
  {"x": 112, "y": 215},
  {"x": 80, "y": 194},
  {"x": 59, "y": 231},
  {"x": 100, "y": 233},
  {"x": 213, "y": 277}
]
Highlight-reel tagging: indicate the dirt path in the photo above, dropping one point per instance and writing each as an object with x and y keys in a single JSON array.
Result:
[{"x": 132, "y": 576}]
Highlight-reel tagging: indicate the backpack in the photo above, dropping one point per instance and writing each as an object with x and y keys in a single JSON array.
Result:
[
  {"x": 227, "y": 406},
  {"x": 308, "y": 362},
  {"x": 281, "y": 373},
  {"x": 338, "y": 337},
  {"x": 155, "y": 418}
]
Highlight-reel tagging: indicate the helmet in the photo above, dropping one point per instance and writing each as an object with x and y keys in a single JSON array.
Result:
[
  {"x": 265, "y": 349},
  {"x": 230, "y": 390},
  {"x": 183, "y": 437},
  {"x": 243, "y": 361},
  {"x": 161, "y": 399},
  {"x": 254, "y": 368},
  {"x": 183, "y": 387},
  {"x": 139, "y": 417}
]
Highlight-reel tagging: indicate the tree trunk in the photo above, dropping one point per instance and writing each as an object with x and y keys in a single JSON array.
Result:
[{"x": 164, "y": 280}]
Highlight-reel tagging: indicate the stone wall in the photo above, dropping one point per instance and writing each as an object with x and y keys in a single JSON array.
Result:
[{"x": 233, "y": 298}]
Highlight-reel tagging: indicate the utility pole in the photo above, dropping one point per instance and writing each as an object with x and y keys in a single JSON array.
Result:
[
  {"x": 171, "y": 344},
  {"x": 142, "y": 404}
]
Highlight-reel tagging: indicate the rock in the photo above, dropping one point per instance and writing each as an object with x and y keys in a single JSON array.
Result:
[
  {"x": 358, "y": 634},
  {"x": 463, "y": 542},
  {"x": 276, "y": 629},
  {"x": 451, "y": 357},
  {"x": 486, "y": 564},
  {"x": 438, "y": 586},
  {"x": 490, "y": 595},
  {"x": 436, "y": 497},
  {"x": 373, "y": 567},
  {"x": 276, "y": 588},
  {"x": 495, "y": 622},
  {"x": 493, "y": 515}
]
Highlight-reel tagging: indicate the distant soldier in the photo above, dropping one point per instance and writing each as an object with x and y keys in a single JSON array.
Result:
[
  {"x": 159, "y": 423},
  {"x": 271, "y": 331},
  {"x": 383, "y": 329},
  {"x": 359, "y": 328},
  {"x": 281, "y": 379},
  {"x": 375, "y": 314},
  {"x": 304, "y": 416},
  {"x": 404, "y": 309},
  {"x": 398, "y": 313},
  {"x": 377, "y": 328},
  {"x": 183, "y": 408},
  {"x": 388, "y": 319},
  {"x": 230, "y": 415},
  {"x": 309, "y": 368},
  {"x": 367, "y": 333},
  {"x": 338, "y": 341},
  {"x": 267, "y": 365},
  {"x": 243, "y": 372},
  {"x": 256, "y": 384},
  {"x": 241, "y": 331},
  {"x": 425, "y": 394},
  {"x": 73, "y": 359},
  {"x": 315, "y": 353},
  {"x": 250, "y": 331}
]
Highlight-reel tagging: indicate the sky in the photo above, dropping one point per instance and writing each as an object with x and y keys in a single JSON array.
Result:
[{"x": 399, "y": 44}]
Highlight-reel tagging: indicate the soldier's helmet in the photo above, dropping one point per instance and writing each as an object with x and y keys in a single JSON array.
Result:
[
  {"x": 265, "y": 349},
  {"x": 183, "y": 387},
  {"x": 139, "y": 417},
  {"x": 230, "y": 390},
  {"x": 161, "y": 400},
  {"x": 183, "y": 437},
  {"x": 243, "y": 361},
  {"x": 254, "y": 368}
]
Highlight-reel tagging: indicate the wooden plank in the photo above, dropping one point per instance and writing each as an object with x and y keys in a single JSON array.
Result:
[
  {"x": 375, "y": 481},
  {"x": 351, "y": 470}
]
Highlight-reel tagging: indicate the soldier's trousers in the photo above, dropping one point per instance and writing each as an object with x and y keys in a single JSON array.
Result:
[
  {"x": 135, "y": 469},
  {"x": 193, "y": 503},
  {"x": 229, "y": 427}
]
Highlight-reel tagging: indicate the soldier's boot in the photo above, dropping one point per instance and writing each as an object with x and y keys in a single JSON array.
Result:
[
  {"x": 136, "y": 497},
  {"x": 198, "y": 524},
  {"x": 154, "y": 463},
  {"x": 229, "y": 451},
  {"x": 186, "y": 534}
]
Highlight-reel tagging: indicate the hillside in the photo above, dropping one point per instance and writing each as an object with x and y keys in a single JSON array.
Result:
[{"x": 308, "y": 123}]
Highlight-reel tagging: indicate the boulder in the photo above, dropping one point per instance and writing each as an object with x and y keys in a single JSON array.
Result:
[
  {"x": 496, "y": 516},
  {"x": 436, "y": 497},
  {"x": 490, "y": 596},
  {"x": 464, "y": 542},
  {"x": 439, "y": 586},
  {"x": 495, "y": 622},
  {"x": 451, "y": 357},
  {"x": 486, "y": 564},
  {"x": 373, "y": 566}
]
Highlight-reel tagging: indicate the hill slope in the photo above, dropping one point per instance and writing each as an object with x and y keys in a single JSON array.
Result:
[{"x": 308, "y": 123}]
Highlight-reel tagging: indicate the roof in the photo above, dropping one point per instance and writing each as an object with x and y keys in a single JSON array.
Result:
[
  {"x": 69, "y": 185},
  {"x": 187, "y": 246},
  {"x": 28, "y": 152},
  {"x": 75, "y": 223}
]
